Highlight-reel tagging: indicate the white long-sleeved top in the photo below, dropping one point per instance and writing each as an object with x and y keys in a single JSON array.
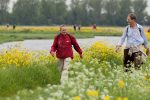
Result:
[{"x": 134, "y": 37}]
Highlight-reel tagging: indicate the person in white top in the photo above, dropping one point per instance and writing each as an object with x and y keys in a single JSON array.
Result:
[{"x": 135, "y": 39}]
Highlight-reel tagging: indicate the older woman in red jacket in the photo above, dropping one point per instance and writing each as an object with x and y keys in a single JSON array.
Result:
[{"x": 62, "y": 45}]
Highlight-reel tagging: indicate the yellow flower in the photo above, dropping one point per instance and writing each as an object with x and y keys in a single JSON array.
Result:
[
  {"x": 125, "y": 98},
  {"x": 106, "y": 98},
  {"x": 92, "y": 93},
  {"x": 77, "y": 98},
  {"x": 121, "y": 84},
  {"x": 119, "y": 98}
]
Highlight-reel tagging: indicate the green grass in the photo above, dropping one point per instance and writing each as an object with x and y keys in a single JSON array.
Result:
[
  {"x": 9, "y": 37},
  {"x": 20, "y": 36},
  {"x": 13, "y": 79}
]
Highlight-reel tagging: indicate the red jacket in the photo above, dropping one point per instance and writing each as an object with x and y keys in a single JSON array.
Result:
[{"x": 62, "y": 45}]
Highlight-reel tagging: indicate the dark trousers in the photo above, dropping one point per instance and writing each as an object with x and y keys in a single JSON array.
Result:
[{"x": 135, "y": 59}]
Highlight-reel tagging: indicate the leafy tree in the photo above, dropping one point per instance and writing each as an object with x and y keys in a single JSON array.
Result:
[
  {"x": 111, "y": 8},
  {"x": 4, "y": 15},
  {"x": 25, "y": 12},
  {"x": 139, "y": 7}
]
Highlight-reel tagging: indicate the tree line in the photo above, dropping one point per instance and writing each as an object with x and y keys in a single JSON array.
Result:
[{"x": 83, "y": 12}]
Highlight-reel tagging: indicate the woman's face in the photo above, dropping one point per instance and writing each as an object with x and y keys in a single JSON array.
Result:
[{"x": 63, "y": 30}]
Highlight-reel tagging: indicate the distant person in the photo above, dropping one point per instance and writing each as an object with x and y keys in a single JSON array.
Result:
[
  {"x": 79, "y": 27},
  {"x": 7, "y": 25},
  {"x": 148, "y": 30},
  {"x": 135, "y": 39},
  {"x": 62, "y": 46},
  {"x": 75, "y": 27},
  {"x": 94, "y": 27},
  {"x": 14, "y": 27}
]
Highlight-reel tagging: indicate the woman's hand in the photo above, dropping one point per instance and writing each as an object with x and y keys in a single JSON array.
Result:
[
  {"x": 52, "y": 53},
  {"x": 81, "y": 56}
]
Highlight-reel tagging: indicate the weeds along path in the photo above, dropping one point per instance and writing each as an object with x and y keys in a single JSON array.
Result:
[{"x": 85, "y": 43}]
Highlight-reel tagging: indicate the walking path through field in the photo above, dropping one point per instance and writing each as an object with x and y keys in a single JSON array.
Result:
[{"x": 46, "y": 44}]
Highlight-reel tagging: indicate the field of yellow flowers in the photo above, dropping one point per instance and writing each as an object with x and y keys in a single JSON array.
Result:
[
  {"x": 112, "y": 31},
  {"x": 44, "y": 29},
  {"x": 98, "y": 76}
]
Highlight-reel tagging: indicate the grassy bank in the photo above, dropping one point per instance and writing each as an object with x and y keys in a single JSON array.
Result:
[{"x": 22, "y": 33}]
